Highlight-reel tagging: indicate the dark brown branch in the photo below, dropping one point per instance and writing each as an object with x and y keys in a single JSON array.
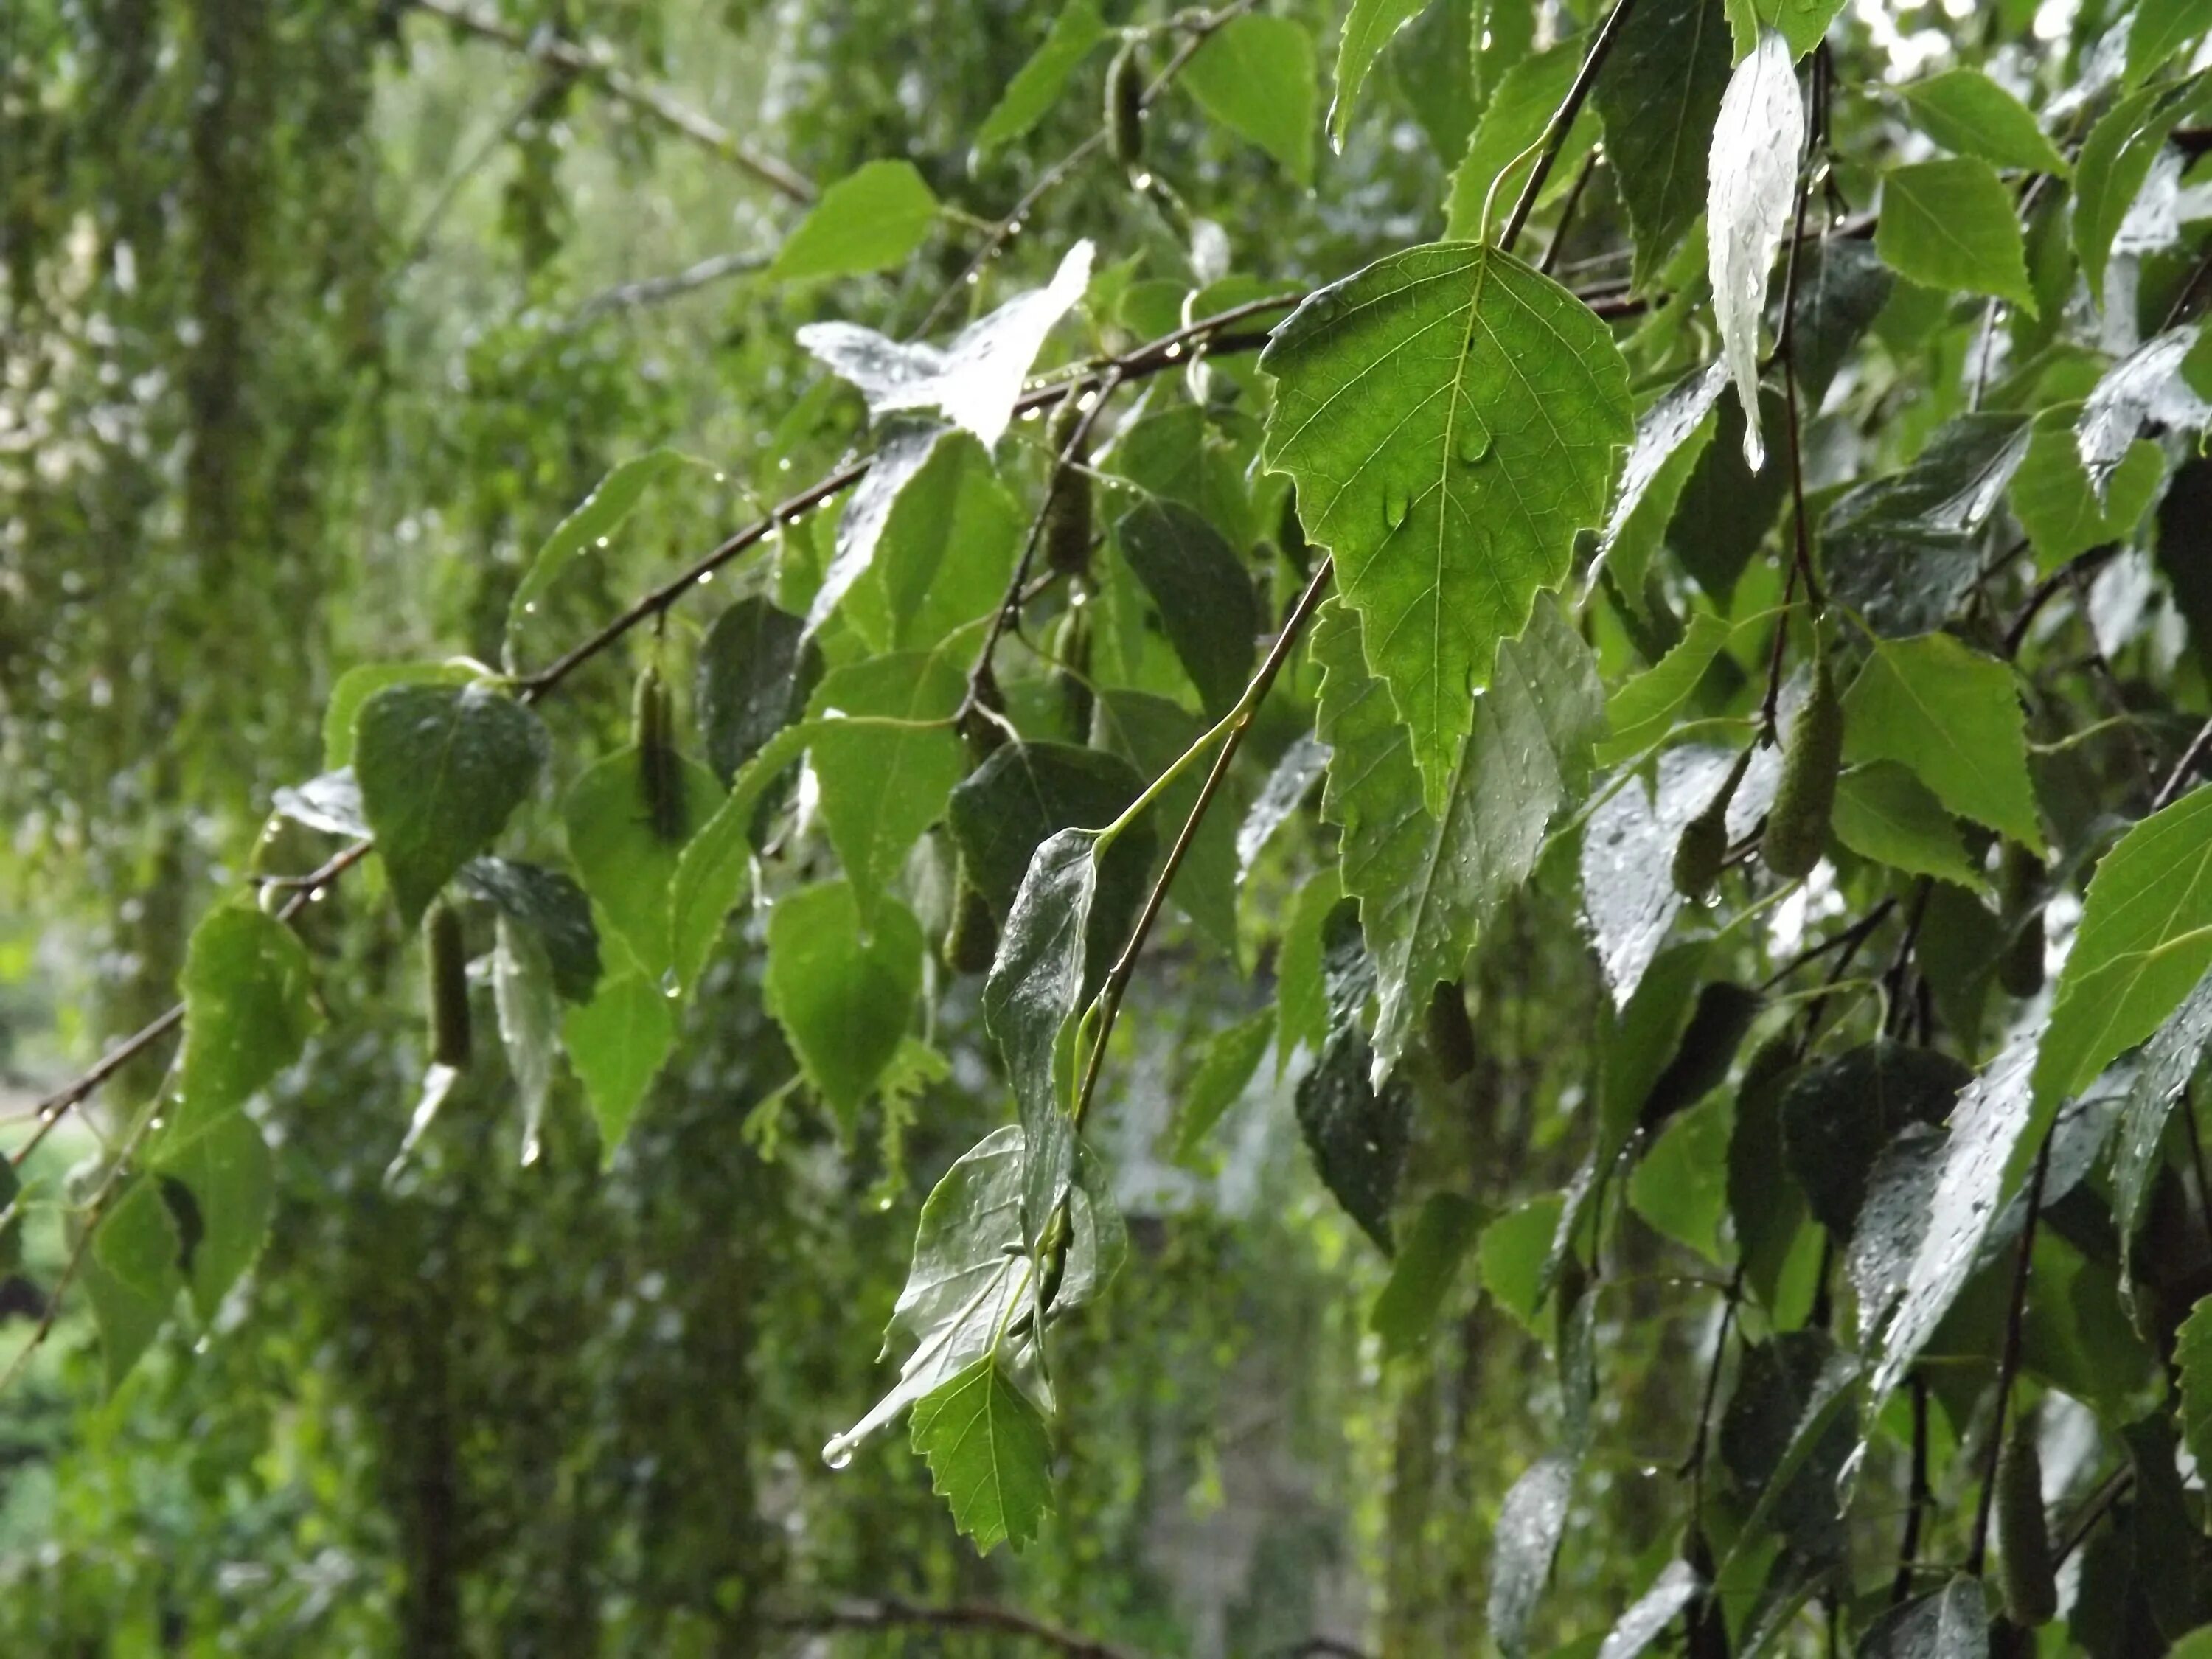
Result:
[
  {"x": 625, "y": 88},
  {"x": 1150, "y": 358},
  {"x": 2191, "y": 758}
]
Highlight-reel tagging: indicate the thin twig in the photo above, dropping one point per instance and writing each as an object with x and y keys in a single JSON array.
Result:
[
  {"x": 1915, "y": 1505},
  {"x": 1567, "y": 212},
  {"x": 1240, "y": 722},
  {"x": 1150, "y": 358},
  {"x": 2009, "y": 1365},
  {"x": 627, "y": 88},
  {"x": 2191, "y": 757},
  {"x": 1850, "y": 936},
  {"x": 656, "y": 291},
  {"x": 1563, "y": 119},
  {"x": 1004, "y": 229}
]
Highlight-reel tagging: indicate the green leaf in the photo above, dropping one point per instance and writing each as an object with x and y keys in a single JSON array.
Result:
[
  {"x": 1368, "y": 27},
  {"x": 1301, "y": 993},
  {"x": 440, "y": 770},
  {"x": 357, "y": 685},
  {"x": 1426, "y": 884},
  {"x": 1036, "y": 86},
  {"x": 625, "y": 864},
  {"x": 553, "y": 907},
  {"x": 2145, "y": 939},
  {"x": 843, "y": 987},
  {"x": 529, "y": 1021},
  {"x": 1433, "y": 65},
  {"x": 1659, "y": 94},
  {"x": 2113, "y": 163},
  {"x": 1884, "y": 813},
  {"x": 1498, "y": 158},
  {"x": 1953, "y": 1623},
  {"x": 1529, "y": 1526},
  {"x": 887, "y": 766},
  {"x": 1801, "y": 23},
  {"x": 946, "y": 543},
  {"x": 1675, "y": 1588},
  {"x": 970, "y": 1291},
  {"x": 1838, "y": 1115},
  {"x": 1681, "y": 1185},
  {"x": 249, "y": 1010},
  {"x": 1450, "y": 418},
  {"x": 1516, "y": 1252},
  {"x": 1968, "y": 113},
  {"x": 1642, "y": 710},
  {"x": 976, "y": 381},
  {"x": 871, "y": 219},
  {"x": 1151, "y": 733},
  {"x": 1219, "y": 1080},
  {"x": 1950, "y": 224},
  {"x": 2056, "y": 504},
  {"x": 989, "y": 1457},
  {"x": 1750, "y": 190},
  {"x": 131, "y": 1277},
  {"x": 1255, "y": 75},
  {"x": 2169, "y": 1059},
  {"x": 1174, "y": 454},
  {"x": 756, "y": 672},
  {"x": 616, "y": 1041},
  {"x": 1206, "y": 605},
  {"x": 1422, "y": 1274},
  {"x": 1007, "y": 808},
  {"x": 1358, "y": 1133},
  {"x": 1989, "y": 1125},
  {"x": 2161, "y": 30},
  {"x": 599, "y": 515},
  {"x": 1029, "y": 996},
  {"x": 1783, "y": 1441},
  {"x": 1671, "y": 437},
  {"x": 1901, "y": 550},
  {"x": 233, "y": 1183},
  {"x": 1953, "y": 716},
  {"x": 2192, "y": 1357}
]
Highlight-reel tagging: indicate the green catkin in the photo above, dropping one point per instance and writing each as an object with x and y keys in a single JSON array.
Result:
[
  {"x": 1797, "y": 822},
  {"x": 973, "y": 939},
  {"x": 2029, "y": 1581},
  {"x": 446, "y": 971},
  {"x": 1450, "y": 1033},
  {"x": 659, "y": 770},
  {"x": 1071, "y": 674},
  {"x": 1125, "y": 105},
  {"x": 1703, "y": 845},
  {"x": 2019, "y": 969},
  {"x": 1067, "y": 515}
]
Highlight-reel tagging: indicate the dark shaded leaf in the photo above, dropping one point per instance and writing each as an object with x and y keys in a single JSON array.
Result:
[
  {"x": 1204, "y": 593},
  {"x": 756, "y": 672},
  {"x": 440, "y": 768}
]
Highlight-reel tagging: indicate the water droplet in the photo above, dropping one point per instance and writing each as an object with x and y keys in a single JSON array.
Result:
[
  {"x": 1394, "y": 505},
  {"x": 1173, "y": 352},
  {"x": 839, "y": 1452},
  {"x": 1474, "y": 442},
  {"x": 721, "y": 478},
  {"x": 602, "y": 542}
]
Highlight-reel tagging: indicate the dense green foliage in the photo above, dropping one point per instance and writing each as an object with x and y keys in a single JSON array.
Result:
[{"x": 1447, "y": 850}]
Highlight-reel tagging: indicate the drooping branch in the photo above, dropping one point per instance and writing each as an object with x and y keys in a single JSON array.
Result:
[{"x": 624, "y": 87}]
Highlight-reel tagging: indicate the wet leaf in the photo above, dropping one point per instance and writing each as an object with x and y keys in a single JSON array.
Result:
[{"x": 1752, "y": 190}]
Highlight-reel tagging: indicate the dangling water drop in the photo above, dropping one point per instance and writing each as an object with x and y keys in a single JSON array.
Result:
[{"x": 839, "y": 1452}]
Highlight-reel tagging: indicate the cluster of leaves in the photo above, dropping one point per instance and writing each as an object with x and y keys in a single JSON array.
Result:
[{"x": 1806, "y": 573}]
